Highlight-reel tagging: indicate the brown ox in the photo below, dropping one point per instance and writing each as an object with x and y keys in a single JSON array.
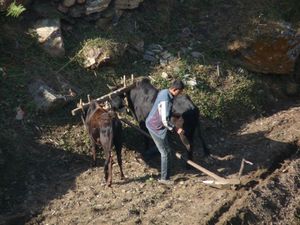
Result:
[{"x": 104, "y": 129}]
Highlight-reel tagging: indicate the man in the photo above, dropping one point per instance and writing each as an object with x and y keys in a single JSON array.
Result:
[{"x": 158, "y": 123}]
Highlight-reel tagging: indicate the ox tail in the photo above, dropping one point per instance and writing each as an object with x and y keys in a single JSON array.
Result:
[{"x": 205, "y": 148}]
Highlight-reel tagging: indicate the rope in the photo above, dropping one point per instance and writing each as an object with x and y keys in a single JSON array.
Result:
[{"x": 66, "y": 64}]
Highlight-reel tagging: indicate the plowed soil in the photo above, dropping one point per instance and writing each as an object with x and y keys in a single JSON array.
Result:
[{"x": 62, "y": 188}]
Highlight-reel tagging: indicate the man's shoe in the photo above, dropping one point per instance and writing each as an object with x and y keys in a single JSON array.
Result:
[{"x": 166, "y": 182}]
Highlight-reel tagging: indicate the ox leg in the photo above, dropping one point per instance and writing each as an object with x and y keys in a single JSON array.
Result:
[
  {"x": 106, "y": 142},
  {"x": 109, "y": 181},
  {"x": 190, "y": 151},
  {"x": 118, "y": 146},
  {"x": 205, "y": 148},
  {"x": 146, "y": 139},
  {"x": 108, "y": 169},
  {"x": 94, "y": 154},
  {"x": 119, "y": 156},
  {"x": 106, "y": 166},
  {"x": 117, "y": 141},
  {"x": 190, "y": 156}
]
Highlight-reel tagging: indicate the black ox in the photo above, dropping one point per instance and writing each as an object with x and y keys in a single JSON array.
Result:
[{"x": 184, "y": 113}]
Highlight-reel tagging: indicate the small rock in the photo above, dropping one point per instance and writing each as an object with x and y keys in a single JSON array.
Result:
[
  {"x": 103, "y": 23},
  {"x": 148, "y": 52},
  {"x": 94, "y": 6},
  {"x": 149, "y": 58},
  {"x": 68, "y": 3},
  {"x": 176, "y": 69},
  {"x": 98, "y": 208},
  {"x": 20, "y": 113},
  {"x": 183, "y": 50},
  {"x": 156, "y": 47},
  {"x": 62, "y": 8},
  {"x": 77, "y": 11},
  {"x": 164, "y": 75},
  {"x": 171, "y": 58},
  {"x": 134, "y": 212},
  {"x": 165, "y": 55},
  {"x": 196, "y": 54},
  {"x": 186, "y": 32},
  {"x": 139, "y": 46},
  {"x": 220, "y": 169},
  {"x": 163, "y": 62},
  {"x": 138, "y": 221},
  {"x": 151, "y": 179},
  {"x": 191, "y": 82},
  {"x": 125, "y": 4}
]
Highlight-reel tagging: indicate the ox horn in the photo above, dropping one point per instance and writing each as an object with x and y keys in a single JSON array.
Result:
[{"x": 110, "y": 87}]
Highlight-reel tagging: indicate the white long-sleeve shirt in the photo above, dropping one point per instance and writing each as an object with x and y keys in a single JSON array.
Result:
[{"x": 158, "y": 120}]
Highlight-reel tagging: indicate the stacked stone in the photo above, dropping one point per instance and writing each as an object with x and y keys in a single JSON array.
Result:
[{"x": 81, "y": 8}]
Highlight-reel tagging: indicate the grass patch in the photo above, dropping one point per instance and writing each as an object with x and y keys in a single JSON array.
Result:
[{"x": 223, "y": 96}]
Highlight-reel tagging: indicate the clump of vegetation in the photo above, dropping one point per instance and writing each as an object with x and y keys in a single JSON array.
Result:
[
  {"x": 99, "y": 51},
  {"x": 15, "y": 10}
]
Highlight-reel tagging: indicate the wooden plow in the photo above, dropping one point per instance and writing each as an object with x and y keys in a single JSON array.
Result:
[{"x": 218, "y": 181}]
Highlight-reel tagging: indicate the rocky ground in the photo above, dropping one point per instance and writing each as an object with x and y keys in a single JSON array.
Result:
[{"x": 62, "y": 188}]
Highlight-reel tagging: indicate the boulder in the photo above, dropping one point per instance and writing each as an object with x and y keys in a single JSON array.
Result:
[
  {"x": 45, "y": 97},
  {"x": 49, "y": 36},
  {"x": 273, "y": 49}
]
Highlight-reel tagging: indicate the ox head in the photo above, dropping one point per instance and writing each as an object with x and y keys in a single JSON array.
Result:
[{"x": 117, "y": 102}]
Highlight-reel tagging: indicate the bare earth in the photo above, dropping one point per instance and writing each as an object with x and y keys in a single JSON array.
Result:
[{"x": 62, "y": 188}]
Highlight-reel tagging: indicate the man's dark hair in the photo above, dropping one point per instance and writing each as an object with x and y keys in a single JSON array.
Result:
[{"x": 177, "y": 84}]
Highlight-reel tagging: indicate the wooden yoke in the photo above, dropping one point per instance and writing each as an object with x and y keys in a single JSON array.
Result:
[{"x": 125, "y": 88}]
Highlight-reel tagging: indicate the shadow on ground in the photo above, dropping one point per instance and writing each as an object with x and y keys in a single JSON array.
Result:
[{"x": 33, "y": 173}]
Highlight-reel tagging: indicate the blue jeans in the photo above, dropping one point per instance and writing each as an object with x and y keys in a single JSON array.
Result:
[{"x": 165, "y": 152}]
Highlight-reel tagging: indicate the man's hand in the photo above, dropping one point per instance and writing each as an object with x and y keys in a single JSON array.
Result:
[{"x": 180, "y": 131}]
